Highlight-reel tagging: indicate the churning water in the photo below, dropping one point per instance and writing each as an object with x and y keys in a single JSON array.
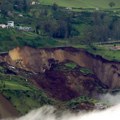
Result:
[{"x": 48, "y": 112}]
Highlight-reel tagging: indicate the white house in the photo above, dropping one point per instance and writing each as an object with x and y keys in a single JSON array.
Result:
[
  {"x": 20, "y": 15},
  {"x": 69, "y": 8},
  {"x": 24, "y": 28},
  {"x": 11, "y": 24},
  {"x": 3, "y": 26},
  {"x": 34, "y": 3}
]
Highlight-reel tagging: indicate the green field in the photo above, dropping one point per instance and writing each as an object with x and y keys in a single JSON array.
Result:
[
  {"x": 102, "y": 50},
  {"x": 82, "y": 3}
]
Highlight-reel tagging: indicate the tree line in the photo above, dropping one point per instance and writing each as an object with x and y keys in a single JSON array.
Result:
[{"x": 60, "y": 23}]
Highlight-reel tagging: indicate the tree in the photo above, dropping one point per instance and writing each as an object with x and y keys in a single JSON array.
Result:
[
  {"x": 6, "y": 7},
  {"x": 26, "y": 5},
  {"x": 111, "y": 4},
  {"x": 55, "y": 7}
]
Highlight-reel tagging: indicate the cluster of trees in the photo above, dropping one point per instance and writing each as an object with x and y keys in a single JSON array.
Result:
[
  {"x": 111, "y": 4},
  {"x": 57, "y": 22},
  {"x": 50, "y": 21},
  {"x": 98, "y": 27},
  {"x": 55, "y": 28},
  {"x": 7, "y": 6},
  {"x": 104, "y": 27}
]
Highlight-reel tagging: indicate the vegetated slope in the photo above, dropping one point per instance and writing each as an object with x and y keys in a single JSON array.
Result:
[
  {"x": 17, "y": 95},
  {"x": 11, "y": 38},
  {"x": 82, "y": 3}
]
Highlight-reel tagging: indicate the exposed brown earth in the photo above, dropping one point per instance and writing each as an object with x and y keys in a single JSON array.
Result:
[
  {"x": 63, "y": 84},
  {"x": 58, "y": 84},
  {"x": 68, "y": 85},
  {"x": 6, "y": 108},
  {"x": 36, "y": 60}
]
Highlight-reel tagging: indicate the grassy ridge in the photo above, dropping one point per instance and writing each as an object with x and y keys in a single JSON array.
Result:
[{"x": 82, "y": 3}]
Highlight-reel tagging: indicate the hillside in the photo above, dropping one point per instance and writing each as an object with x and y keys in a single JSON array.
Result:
[
  {"x": 54, "y": 76},
  {"x": 44, "y": 57},
  {"x": 17, "y": 93},
  {"x": 10, "y": 38},
  {"x": 82, "y": 3},
  {"x": 63, "y": 53}
]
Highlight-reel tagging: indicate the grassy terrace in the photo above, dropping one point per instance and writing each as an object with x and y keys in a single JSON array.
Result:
[
  {"x": 10, "y": 38},
  {"x": 106, "y": 52},
  {"x": 82, "y": 3},
  {"x": 10, "y": 85},
  {"x": 102, "y": 50}
]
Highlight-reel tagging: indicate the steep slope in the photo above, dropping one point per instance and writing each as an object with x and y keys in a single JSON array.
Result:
[
  {"x": 6, "y": 108},
  {"x": 72, "y": 77},
  {"x": 38, "y": 60}
]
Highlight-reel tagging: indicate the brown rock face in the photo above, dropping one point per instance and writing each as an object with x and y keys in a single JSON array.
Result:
[{"x": 36, "y": 60}]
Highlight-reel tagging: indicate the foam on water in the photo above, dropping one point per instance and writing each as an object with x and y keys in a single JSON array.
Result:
[{"x": 48, "y": 112}]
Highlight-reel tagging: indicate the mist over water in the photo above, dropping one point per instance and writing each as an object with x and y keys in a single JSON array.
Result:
[
  {"x": 49, "y": 112},
  {"x": 111, "y": 99}
]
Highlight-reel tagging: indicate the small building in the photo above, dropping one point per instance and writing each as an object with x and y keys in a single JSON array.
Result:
[
  {"x": 115, "y": 47},
  {"x": 3, "y": 26},
  {"x": 97, "y": 9},
  {"x": 27, "y": 29},
  {"x": 11, "y": 24},
  {"x": 34, "y": 3},
  {"x": 69, "y": 8},
  {"x": 20, "y": 15}
]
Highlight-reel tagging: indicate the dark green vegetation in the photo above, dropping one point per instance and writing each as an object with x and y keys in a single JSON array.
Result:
[
  {"x": 60, "y": 23},
  {"x": 10, "y": 38}
]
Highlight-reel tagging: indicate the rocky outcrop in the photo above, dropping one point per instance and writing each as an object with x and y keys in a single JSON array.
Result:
[{"x": 37, "y": 60}]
